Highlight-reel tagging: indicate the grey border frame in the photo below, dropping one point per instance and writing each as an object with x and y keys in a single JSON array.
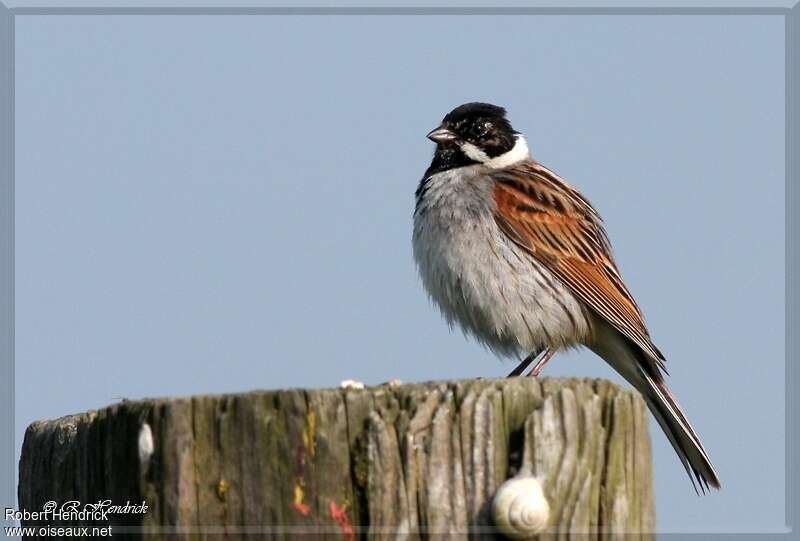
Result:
[
  {"x": 789, "y": 9},
  {"x": 7, "y": 257}
]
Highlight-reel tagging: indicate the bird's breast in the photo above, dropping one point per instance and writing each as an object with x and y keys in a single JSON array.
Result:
[{"x": 479, "y": 278}]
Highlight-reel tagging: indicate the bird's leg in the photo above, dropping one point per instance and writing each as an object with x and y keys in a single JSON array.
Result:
[
  {"x": 548, "y": 354},
  {"x": 523, "y": 364}
]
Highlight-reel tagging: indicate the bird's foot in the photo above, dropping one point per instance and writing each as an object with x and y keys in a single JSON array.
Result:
[{"x": 548, "y": 354}]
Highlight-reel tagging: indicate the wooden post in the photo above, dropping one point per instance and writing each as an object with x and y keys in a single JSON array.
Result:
[{"x": 410, "y": 461}]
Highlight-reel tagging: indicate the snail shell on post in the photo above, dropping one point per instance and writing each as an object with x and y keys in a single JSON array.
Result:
[
  {"x": 519, "y": 508},
  {"x": 145, "y": 442}
]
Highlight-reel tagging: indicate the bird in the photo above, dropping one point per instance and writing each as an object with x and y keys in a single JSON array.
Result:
[{"x": 520, "y": 260}]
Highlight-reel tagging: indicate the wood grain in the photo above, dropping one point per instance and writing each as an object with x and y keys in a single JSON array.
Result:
[{"x": 407, "y": 461}]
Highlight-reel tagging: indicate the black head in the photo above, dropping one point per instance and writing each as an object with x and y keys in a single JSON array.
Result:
[{"x": 472, "y": 133}]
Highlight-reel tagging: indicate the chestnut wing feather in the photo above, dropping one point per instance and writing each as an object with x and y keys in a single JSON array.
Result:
[{"x": 558, "y": 227}]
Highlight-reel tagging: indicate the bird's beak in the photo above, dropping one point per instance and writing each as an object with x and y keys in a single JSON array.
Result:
[{"x": 441, "y": 135}]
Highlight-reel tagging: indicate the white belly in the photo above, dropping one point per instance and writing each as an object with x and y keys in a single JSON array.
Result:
[{"x": 481, "y": 280}]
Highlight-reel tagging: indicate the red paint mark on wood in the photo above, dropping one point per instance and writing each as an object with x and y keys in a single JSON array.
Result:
[
  {"x": 339, "y": 514},
  {"x": 301, "y": 508}
]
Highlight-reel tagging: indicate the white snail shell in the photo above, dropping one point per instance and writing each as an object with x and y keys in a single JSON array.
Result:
[
  {"x": 351, "y": 384},
  {"x": 519, "y": 508},
  {"x": 146, "y": 446}
]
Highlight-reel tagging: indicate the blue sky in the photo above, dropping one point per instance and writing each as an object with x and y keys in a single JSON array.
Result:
[{"x": 218, "y": 204}]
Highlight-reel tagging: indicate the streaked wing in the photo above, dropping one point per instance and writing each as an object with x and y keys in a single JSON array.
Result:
[{"x": 560, "y": 229}]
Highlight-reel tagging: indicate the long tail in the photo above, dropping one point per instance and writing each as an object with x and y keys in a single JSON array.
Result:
[
  {"x": 676, "y": 426},
  {"x": 641, "y": 372}
]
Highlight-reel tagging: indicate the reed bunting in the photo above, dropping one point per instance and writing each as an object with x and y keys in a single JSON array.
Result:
[{"x": 520, "y": 260}]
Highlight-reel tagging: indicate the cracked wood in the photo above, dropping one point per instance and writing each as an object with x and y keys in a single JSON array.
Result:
[{"x": 409, "y": 460}]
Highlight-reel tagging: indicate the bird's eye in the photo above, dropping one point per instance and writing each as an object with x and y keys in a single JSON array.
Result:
[{"x": 479, "y": 129}]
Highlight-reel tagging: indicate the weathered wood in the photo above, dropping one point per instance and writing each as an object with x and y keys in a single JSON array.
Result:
[{"x": 409, "y": 461}]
